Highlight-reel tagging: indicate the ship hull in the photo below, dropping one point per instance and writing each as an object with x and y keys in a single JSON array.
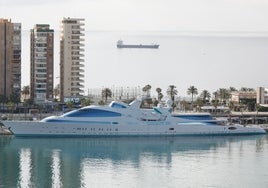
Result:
[{"x": 138, "y": 46}]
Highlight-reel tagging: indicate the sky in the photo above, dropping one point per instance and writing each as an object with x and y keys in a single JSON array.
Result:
[
  {"x": 212, "y": 15},
  {"x": 139, "y": 15}
]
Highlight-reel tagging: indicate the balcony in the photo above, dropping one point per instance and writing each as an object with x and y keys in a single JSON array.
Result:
[
  {"x": 77, "y": 90},
  {"x": 77, "y": 65},
  {"x": 77, "y": 80},
  {"x": 76, "y": 84},
  {"x": 77, "y": 60},
  {"x": 77, "y": 49},
  {"x": 75, "y": 75}
]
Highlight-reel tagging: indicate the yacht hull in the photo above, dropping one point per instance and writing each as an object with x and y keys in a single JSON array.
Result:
[{"x": 31, "y": 128}]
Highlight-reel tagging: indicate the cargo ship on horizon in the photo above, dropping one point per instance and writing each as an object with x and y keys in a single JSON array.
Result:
[{"x": 120, "y": 44}]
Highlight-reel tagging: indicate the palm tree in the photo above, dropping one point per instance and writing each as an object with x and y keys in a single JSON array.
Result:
[
  {"x": 232, "y": 89},
  {"x": 192, "y": 90},
  {"x": 171, "y": 91},
  {"x": 245, "y": 89},
  {"x": 223, "y": 95},
  {"x": 25, "y": 91},
  {"x": 205, "y": 95},
  {"x": 147, "y": 89},
  {"x": 251, "y": 89},
  {"x": 159, "y": 94},
  {"x": 106, "y": 92},
  {"x": 215, "y": 95},
  {"x": 215, "y": 102},
  {"x": 56, "y": 91}
]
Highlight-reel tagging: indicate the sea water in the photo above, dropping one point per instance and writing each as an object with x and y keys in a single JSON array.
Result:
[
  {"x": 208, "y": 61},
  {"x": 138, "y": 162}
]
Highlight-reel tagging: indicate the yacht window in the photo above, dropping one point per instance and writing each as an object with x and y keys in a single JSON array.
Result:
[
  {"x": 87, "y": 112},
  {"x": 231, "y": 128},
  {"x": 196, "y": 117},
  {"x": 117, "y": 105}
]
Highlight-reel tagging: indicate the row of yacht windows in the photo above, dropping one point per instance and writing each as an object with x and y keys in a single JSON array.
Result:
[{"x": 96, "y": 129}]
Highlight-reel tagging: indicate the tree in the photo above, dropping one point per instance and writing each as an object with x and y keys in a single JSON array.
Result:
[
  {"x": 106, "y": 92},
  {"x": 232, "y": 89},
  {"x": 192, "y": 90},
  {"x": 3, "y": 101},
  {"x": 159, "y": 94},
  {"x": 223, "y": 94},
  {"x": 215, "y": 95},
  {"x": 147, "y": 89},
  {"x": 70, "y": 104},
  {"x": 245, "y": 89},
  {"x": 25, "y": 91},
  {"x": 199, "y": 103},
  {"x": 215, "y": 101},
  {"x": 171, "y": 92},
  {"x": 184, "y": 105},
  {"x": 251, "y": 89},
  {"x": 11, "y": 107},
  {"x": 14, "y": 98},
  {"x": 85, "y": 102},
  {"x": 205, "y": 95},
  {"x": 56, "y": 91},
  {"x": 101, "y": 102}
]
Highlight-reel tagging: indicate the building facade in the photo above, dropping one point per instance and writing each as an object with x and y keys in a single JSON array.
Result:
[
  {"x": 42, "y": 63},
  {"x": 72, "y": 58},
  {"x": 239, "y": 96},
  {"x": 262, "y": 96},
  {"x": 10, "y": 59}
]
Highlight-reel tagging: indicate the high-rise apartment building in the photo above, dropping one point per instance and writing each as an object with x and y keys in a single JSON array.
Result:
[
  {"x": 42, "y": 62},
  {"x": 71, "y": 58},
  {"x": 10, "y": 59}
]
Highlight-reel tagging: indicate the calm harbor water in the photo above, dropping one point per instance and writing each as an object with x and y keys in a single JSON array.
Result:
[{"x": 208, "y": 161}]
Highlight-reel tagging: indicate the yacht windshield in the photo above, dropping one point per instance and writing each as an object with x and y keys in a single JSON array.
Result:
[{"x": 88, "y": 112}]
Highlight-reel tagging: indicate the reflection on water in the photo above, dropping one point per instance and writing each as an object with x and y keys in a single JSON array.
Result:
[
  {"x": 25, "y": 168},
  {"x": 133, "y": 161},
  {"x": 56, "y": 169}
]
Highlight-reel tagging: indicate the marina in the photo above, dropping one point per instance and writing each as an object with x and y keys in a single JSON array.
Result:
[{"x": 71, "y": 76}]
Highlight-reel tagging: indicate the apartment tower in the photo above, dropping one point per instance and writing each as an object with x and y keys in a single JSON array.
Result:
[
  {"x": 10, "y": 59},
  {"x": 71, "y": 58},
  {"x": 42, "y": 62}
]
